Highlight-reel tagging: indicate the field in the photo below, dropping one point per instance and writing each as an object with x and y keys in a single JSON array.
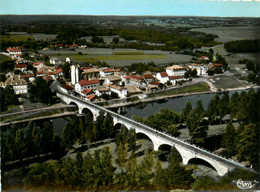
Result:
[
  {"x": 4, "y": 58},
  {"x": 226, "y": 82},
  {"x": 15, "y": 37},
  {"x": 232, "y": 33},
  {"x": 43, "y": 37},
  {"x": 201, "y": 87}
]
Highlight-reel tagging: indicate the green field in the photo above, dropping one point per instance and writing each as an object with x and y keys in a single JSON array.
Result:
[
  {"x": 225, "y": 82},
  {"x": 130, "y": 53},
  {"x": 15, "y": 37},
  {"x": 201, "y": 87},
  {"x": 4, "y": 58},
  {"x": 89, "y": 58}
]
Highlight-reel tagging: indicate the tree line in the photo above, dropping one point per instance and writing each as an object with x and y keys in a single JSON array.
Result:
[{"x": 243, "y": 46}]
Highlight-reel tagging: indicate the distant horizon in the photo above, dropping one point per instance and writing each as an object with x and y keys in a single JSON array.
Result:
[
  {"x": 193, "y": 8},
  {"x": 129, "y": 15}
]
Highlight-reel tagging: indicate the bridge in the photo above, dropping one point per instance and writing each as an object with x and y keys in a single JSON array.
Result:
[{"x": 186, "y": 150}]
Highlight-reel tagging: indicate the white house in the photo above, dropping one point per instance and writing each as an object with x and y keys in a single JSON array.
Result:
[
  {"x": 19, "y": 85},
  {"x": 101, "y": 90},
  {"x": 201, "y": 69},
  {"x": 112, "y": 79},
  {"x": 85, "y": 84},
  {"x": 122, "y": 92},
  {"x": 175, "y": 79},
  {"x": 148, "y": 77},
  {"x": 29, "y": 78},
  {"x": 21, "y": 67},
  {"x": 38, "y": 65},
  {"x": 55, "y": 61},
  {"x": 134, "y": 80},
  {"x": 175, "y": 70},
  {"x": 106, "y": 72},
  {"x": 15, "y": 51},
  {"x": 163, "y": 77},
  {"x": 74, "y": 74}
]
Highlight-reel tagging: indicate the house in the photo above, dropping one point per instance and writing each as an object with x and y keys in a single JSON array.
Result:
[
  {"x": 90, "y": 73},
  {"x": 86, "y": 84},
  {"x": 91, "y": 97},
  {"x": 67, "y": 89},
  {"x": 28, "y": 78},
  {"x": 21, "y": 67},
  {"x": 38, "y": 65},
  {"x": 214, "y": 65},
  {"x": 106, "y": 72},
  {"x": 148, "y": 77},
  {"x": 55, "y": 61},
  {"x": 201, "y": 69},
  {"x": 204, "y": 58},
  {"x": 132, "y": 90},
  {"x": 163, "y": 77},
  {"x": 175, "y": 70},
  {"x": 122, "y": 92},
  {"x": 112, "y": 79},
  {"x": 19, "y": 85},
  {"x": 175, "y": 79},
  {"x": 15, "y": 51},
  {"x": 101, "y": 90},
  {"x": 134, "y": 80}
]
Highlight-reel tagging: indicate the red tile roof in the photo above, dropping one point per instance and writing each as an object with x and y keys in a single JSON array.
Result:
[
  {"x": 47, "y": 78},
  {"x": 20, "y": 66},
  {"x": 24, "y": 76},
  {"x": 90, "y": 82},
  {"x": 57, "y": 71},
  {"x": 133, "y": 77},
  {"x": 203, "y": 57},
  {"x": 117, "y": 70},
  {"x": 115, "y": 87},
  {"x": 91, "y": 97},
  {"x": 218, "y": 65},
  {"x": 148, "y": 76},
  {"x": 108, "y": 70},
  {"x": 175, "y": 77},
  {"x": 164, "y": 74},
  {"x": 154, "y": 83},
  {"x": 40, "y": 72},
  {"x": 86, "y": 91},
  {"x": 67, "y": 87},
  {"x": 14, "y": 49},
  {"x": 37, "y": 63}
]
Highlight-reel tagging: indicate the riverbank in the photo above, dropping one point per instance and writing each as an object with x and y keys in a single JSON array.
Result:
[{"x": 165, "y": 97}]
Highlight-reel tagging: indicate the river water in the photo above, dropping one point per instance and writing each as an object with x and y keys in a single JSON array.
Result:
[
  {"x": 176, "y": 104},
  {"x": 146, "y": 109}
]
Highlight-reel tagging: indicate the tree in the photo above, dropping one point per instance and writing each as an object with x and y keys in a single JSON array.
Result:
[
  {"x": 200, "y": 109},
  {"x": 122, "y": 156},
  {"x": 247, "y": 146},
  {"x": 69, "y": 134},
  {"x": 40, "y": 91},
  {"x": 185, "y": 112},
  {"x": 229, "y": 140},
  {"x": 66, "y": 70},
  {"x": 233, "y": 105},
  {"x": 223, "y": 105},
  {"x": 213, "y": 108},
  {"x": 177, "y": 176},
  {"x": 115, "y": 40}
]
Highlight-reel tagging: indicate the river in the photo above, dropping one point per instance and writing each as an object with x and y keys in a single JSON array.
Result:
[
  {"x": 176, "y": 104},
  {"x": 146, "y": 109}
]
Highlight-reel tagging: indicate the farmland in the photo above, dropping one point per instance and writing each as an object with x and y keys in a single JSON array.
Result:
[
  {"x": 4, "y": 58},
  {"x": 15, "y": 37}
]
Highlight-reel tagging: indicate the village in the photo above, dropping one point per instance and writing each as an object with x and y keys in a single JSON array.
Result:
[{"x": 94, "y": 83}]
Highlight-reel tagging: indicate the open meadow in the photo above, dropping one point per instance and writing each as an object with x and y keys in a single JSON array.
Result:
[
  {"x": 4, "y": 58},
  {"x": 15, "y": 37}
]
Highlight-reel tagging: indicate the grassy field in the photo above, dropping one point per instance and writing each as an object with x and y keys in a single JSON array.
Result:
[
  {"x": 201, "y": 87},
  {"x": 130, "y": 53},
  {"x": 89, "y": 58},
  {"x": 15, "y": 37},
  {"x": 4, "y": 58},
  {"x": 225, "y": 82}
]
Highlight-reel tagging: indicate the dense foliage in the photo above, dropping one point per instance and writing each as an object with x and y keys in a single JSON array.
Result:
[
  {"x": 7, "y": 97},
  {"x": 243, "y": 46}
]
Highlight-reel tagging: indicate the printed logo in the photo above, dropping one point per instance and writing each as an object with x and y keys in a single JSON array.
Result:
[{"x": 245, "y": 184}]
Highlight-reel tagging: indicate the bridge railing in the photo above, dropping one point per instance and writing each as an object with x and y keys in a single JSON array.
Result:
[{"x": 163, "y": 135}]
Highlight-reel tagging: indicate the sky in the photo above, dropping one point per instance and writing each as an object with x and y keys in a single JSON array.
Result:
[{"x": 222, "y": 8}]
